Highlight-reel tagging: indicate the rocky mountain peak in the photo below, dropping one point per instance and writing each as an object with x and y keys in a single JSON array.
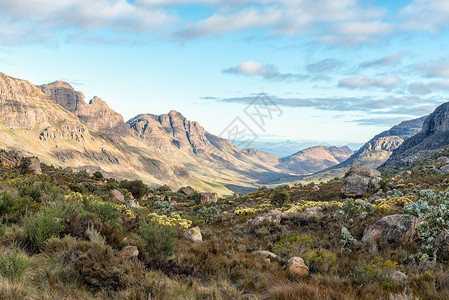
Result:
[
  {"x": 438, "y": 121},
  {"x": 64, "y": 94}
]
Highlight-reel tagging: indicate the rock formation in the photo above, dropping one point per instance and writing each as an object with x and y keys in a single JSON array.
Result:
[{"x": 360, "y": 181}]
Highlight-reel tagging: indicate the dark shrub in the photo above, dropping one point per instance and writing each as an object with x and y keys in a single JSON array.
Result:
[
  {"x": 160, "y": 240},
  {"x": 136, "y": 187}
]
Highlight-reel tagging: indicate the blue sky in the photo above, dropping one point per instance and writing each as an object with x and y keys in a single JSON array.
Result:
[{"x": 339, "y": 70}]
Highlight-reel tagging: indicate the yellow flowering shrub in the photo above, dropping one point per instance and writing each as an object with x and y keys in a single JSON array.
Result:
[
  {"x": 172, "y": 220},
  {"x": 398, "y": 201},
  {"x": 246, "y": 211},
  {"x": 302, "y": 205}
]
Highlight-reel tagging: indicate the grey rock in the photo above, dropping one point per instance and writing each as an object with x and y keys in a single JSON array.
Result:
[
  {"x": 194, "y": 234},
  {"x": 361, "y": 180}
]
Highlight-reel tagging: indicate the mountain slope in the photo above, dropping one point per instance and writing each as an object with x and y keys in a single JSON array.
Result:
[
  {"x": 375, "y": 152},
  {"x": 433, "y": 136},
  {"x": 315, "y": 159}
]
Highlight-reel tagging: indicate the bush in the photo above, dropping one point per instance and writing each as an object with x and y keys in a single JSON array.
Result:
[
  {"x": 293, "y": 245},
  {"x": 375, "y": 271},
  {"x": 162, "y": 207},
  {"x": 209, "y": 213},
  {"x": 321, "y": 260},
  {"x": 106, "y": 212},
  {"x": 13, "y": 264},
  {"x": 159, "y": 239},
  {"x": 352, "y": 211},
  {"x": 98, "y": 175},
  {"x": 136, "y": 187},
  {"x": 46, "y": 224},
  {"x": 280, "y": 197}
]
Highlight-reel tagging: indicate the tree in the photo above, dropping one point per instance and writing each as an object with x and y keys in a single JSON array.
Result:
[{"x": 279, "y": 197}]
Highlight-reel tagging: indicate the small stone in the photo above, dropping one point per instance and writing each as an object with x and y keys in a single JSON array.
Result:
[
  {"x": 265, "y": 254},
  {"x": 116, "y": 195},
  {"x": 132, "y": 203},
  {"x": 271, "y": 217},
  {"x": 129, "y": 252},
  {"x": 397, "y": 276}
]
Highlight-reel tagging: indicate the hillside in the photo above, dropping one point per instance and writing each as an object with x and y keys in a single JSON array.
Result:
[{"x": 375, "y": 152}]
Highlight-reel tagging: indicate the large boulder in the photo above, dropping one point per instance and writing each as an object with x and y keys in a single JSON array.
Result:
[
  {"x": 391, "y": 229},
  {"x": 361, "y": 180},
  {"x": 208, "y": 197},
  {"x": 187, "y": 190},
  {"x": 116, "y": 195},
  {"x": 194, "y": 234},
  {"x": 31, "y": 165},
  {"x": 297, "y": 266},
  {"x": 271, "y": 217}
]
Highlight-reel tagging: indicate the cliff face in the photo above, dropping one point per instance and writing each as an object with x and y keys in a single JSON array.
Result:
[
  {"x": 96, "y": 114},
  {"x": 433, "y": 136}
]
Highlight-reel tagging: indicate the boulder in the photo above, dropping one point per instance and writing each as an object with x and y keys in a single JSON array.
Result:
[
  {"x": 188, "y": 191},
  {"x": 396, "y": 276},
  {"x": 445, "y": 169},
  {"x": 194, "y": 234},
  {"x": 316, "y": 188},
  {"x": 361, "y": 180},
  {"x": 297, "y": 266},
  {"x": 272, "y": 217},
  {"x": 132, "y": 203},
  {"x": 129, "y": 252},
  {"x": 208, "y": 197},
  {"x": 31, "y": 165},
  {"x": 116, "y": 195},
  {"x": 391, "y": 229}
]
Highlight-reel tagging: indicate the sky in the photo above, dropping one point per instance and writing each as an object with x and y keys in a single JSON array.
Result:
[{"x": 337, "y": 71}]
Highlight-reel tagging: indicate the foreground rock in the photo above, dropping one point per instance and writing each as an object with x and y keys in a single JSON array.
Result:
[
  {"x": 391, "y": 229},
  {"x": 360, "y": 181},
  {"x": 129, "y": 252},
  {"x": 396, "y": 276},
  {"x": 187, "y": 190},
  {"x": 208, "y": 197},
  {"x": 132, "y": 203},
  {"x": 297, "y": 266},
  {"x": 116, "y": 195},
  {"x": 271, "y": 217},
  {"x": 31, "y": 165},
  {"x": 194, "y": 234}
]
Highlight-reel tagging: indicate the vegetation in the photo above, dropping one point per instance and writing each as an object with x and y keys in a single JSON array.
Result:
[{"x": 62, "y": 236}]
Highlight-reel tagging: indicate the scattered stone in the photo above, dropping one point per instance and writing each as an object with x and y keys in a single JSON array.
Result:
[
  {"x": 208, "y": 197},
  {"x": 188, "y": 191},
  {"x": 272, "y": 217},
  {"x": 129, "y": 252},
  {"x": 31, "y": 165},
  {"x": 316, "y": 188},
  {"x": 194, "y": 234},
  {"x": 397, "y": 276},
  {"x": 132, "y": 203},
  {"x": 391, "y": 229},
  {"x": 445, "y": 169},
  {"x": 360, "y": 181},
  {"x": 443, "y": 159},
  {"x": 265, "y": 255},
  {"x": 313, "y": 212},
  {"x": 297, "y": 266},
  {"x": 116, "y": 195}
]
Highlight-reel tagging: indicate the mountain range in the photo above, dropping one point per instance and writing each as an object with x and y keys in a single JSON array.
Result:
[{"x": 56, "y": 124}]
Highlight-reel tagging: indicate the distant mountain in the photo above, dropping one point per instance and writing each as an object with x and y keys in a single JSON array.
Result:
[
  {"x": 433, "y": 137},
  {"x": 375, "y": 152},
  {"x": 315, "y": 159}
]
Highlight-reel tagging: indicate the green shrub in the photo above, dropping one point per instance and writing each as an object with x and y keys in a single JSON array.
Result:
[
  {"x": 136, "y": 187},
  {"x": 291, "y": 244},
  {"x": 209, "y": 213},
  {"x": 13, "y": 263},
  {"x": 352, "y": 211},
  {"x": 46, "y": 224},
  {"x": 320, "y": 260},
  {"x": 106, "y": 212},
  {"x": 162, "y": 207},
  {"x": 280, "y": 197},
  {"x": 373, "y": 271},
  {"x": 159, "y": 239}
]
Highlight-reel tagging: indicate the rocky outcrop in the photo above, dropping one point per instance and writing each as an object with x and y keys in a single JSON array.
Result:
[
  {"x": 315, "y": 159},
  {"x": 15, "y": 159},
  {"x": 208, "y": 197},
  {"x": 297, "y": 266},
  {"x": 117, "y": 195},
  {"x": 186, "y": 191},
  {"x": 194, "y": 234},
  {"x": 433, "y": 137},
  {"x": 31, "y": 165},
  {"x": 391, "y": 229},
  {"x": 128, "y": 252},
  {"x": 96, "y": 114},
  {"x": 360, "y": 181}
]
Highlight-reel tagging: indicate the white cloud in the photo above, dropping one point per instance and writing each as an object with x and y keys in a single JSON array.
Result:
[
  {"x": 426, "y": 15},
  {"x": 268, "y": 71},
  {"x": 429, "y": 87},
  {"x": 392, "y": 59},
  {"x": 387, "y": 82},
  {"x": 353, "y": 33},
  {"x": 439, "y": 68}
]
